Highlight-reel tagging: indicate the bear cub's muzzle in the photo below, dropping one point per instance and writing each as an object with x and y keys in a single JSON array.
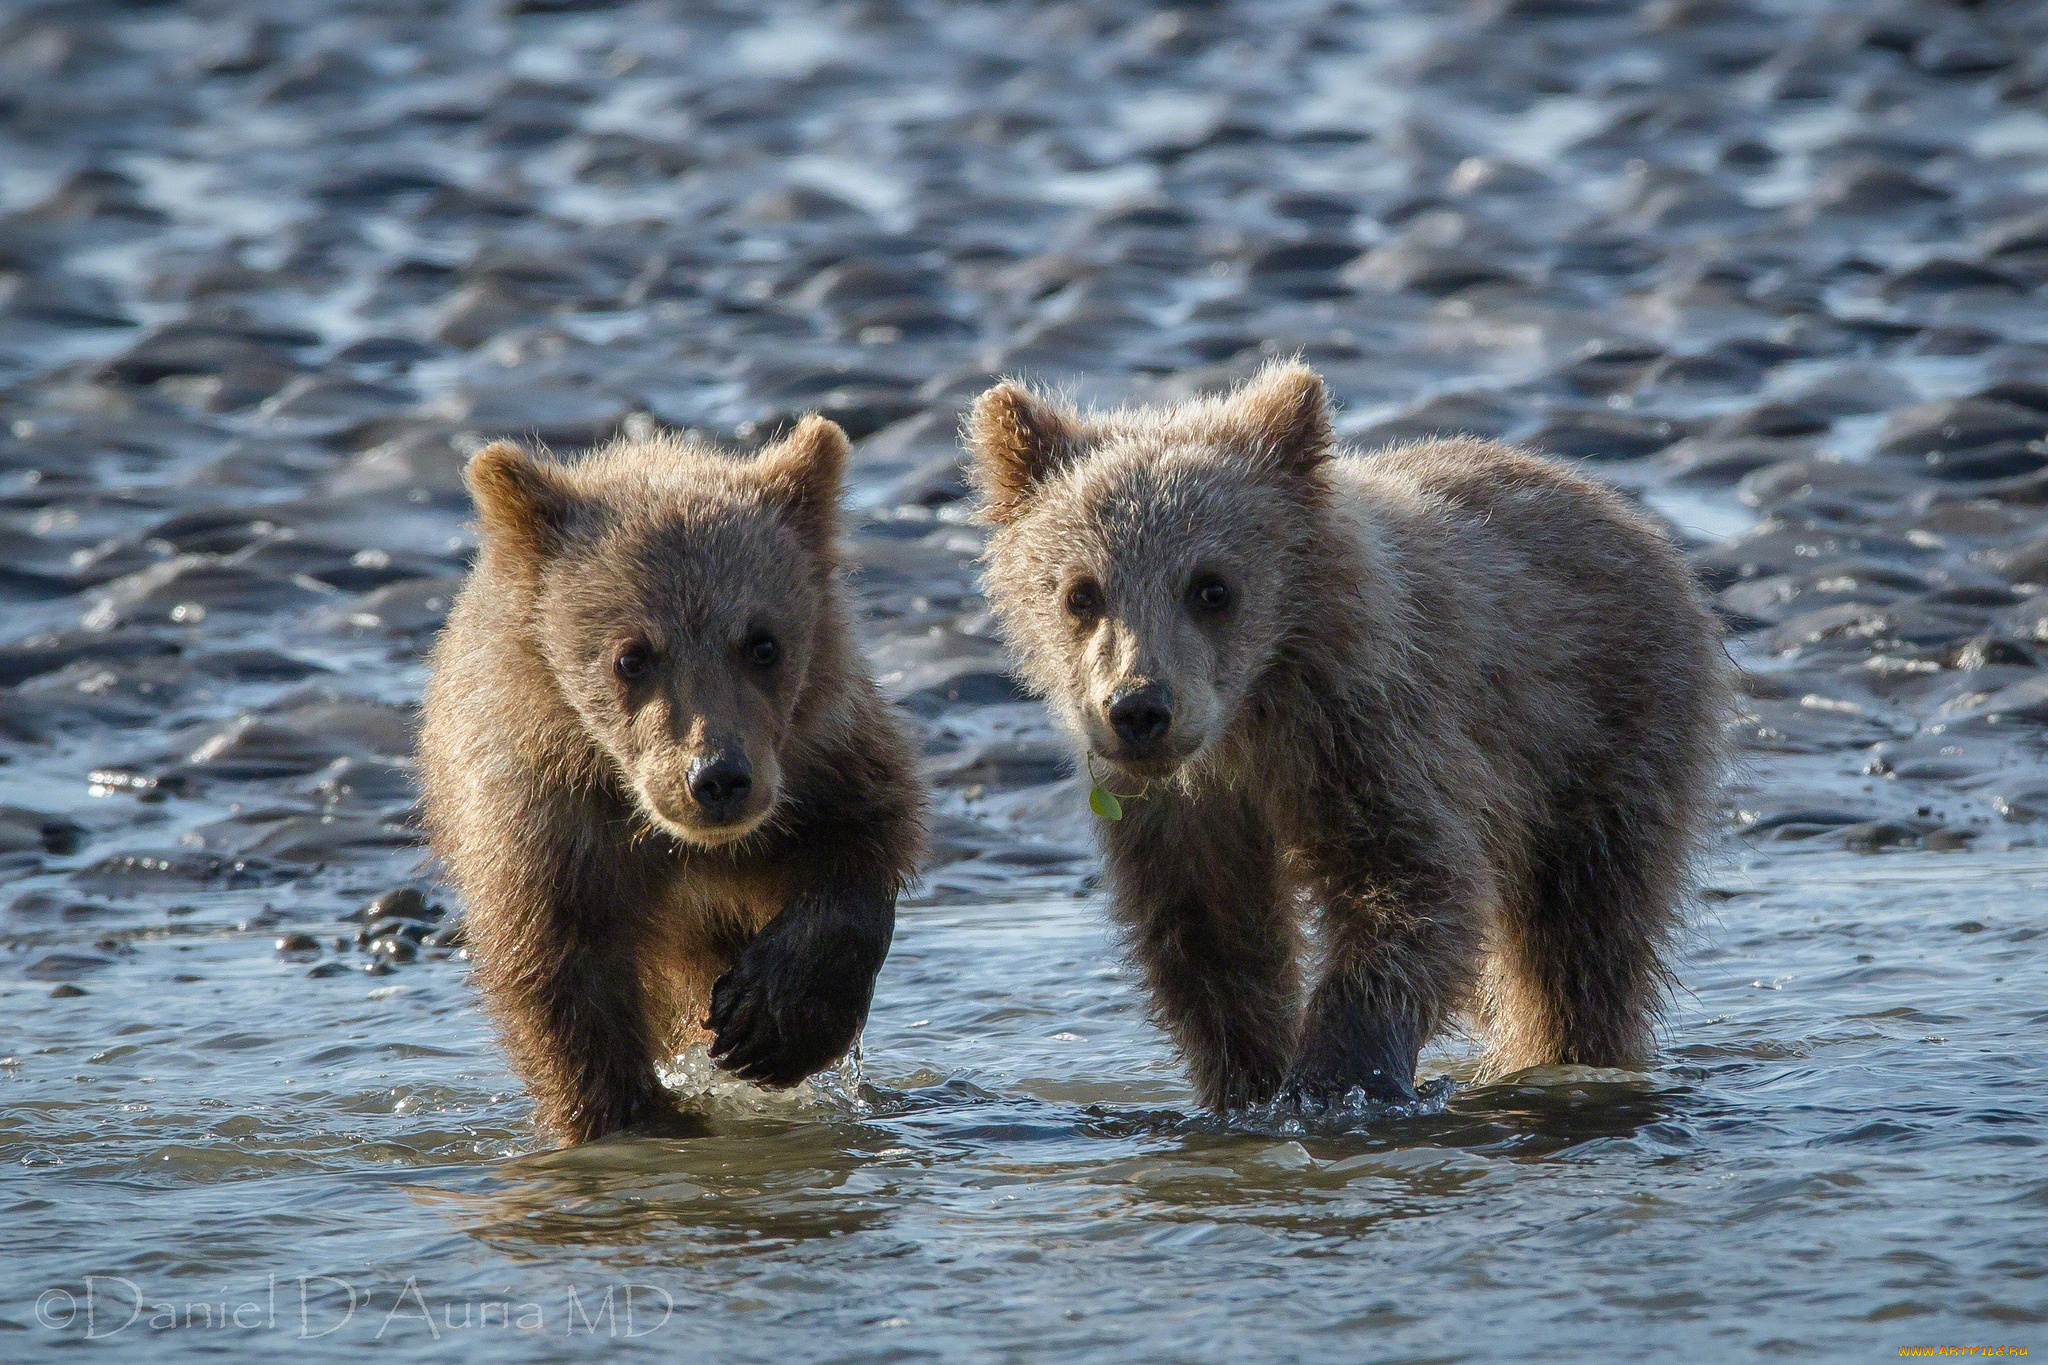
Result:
[
  {"x": 1141, "y": 718},
  {"x": 720, "y": 784}
]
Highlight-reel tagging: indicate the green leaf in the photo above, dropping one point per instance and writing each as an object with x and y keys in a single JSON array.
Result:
[{"x": 1103, "y": 802}]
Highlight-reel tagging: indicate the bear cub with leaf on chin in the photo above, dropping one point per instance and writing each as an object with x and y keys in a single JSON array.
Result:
[{"x": 1395, "y": 735}]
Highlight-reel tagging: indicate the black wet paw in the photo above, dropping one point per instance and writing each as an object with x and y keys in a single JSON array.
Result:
[
  {"x": 1319, "y": 1092},
  {"x": 791, "y": 1006}
]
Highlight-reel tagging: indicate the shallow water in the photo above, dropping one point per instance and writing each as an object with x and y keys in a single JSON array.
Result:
[
  {"x": 1818, "y": 1169},
  {"x": 269, "y": 271}
]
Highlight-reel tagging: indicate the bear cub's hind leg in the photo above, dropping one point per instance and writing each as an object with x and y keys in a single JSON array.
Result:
[{"x": 1579, "y": 972}]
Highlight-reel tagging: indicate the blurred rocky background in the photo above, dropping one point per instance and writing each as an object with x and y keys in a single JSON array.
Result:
[{"x": 269, "y": 271}]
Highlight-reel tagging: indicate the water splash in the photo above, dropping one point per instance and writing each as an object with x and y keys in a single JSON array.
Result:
[
  {"x": 836, "y": 1092},
  {"x": 1356, "y": 1110}
]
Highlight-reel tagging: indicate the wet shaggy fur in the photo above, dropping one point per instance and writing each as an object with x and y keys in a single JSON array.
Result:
[
  {"x": 1444, "y": 729},
  {"x": 608, "y": 645}
]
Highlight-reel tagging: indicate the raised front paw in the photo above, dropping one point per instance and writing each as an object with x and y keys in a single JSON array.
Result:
[{"x": 792, "y": 1005}]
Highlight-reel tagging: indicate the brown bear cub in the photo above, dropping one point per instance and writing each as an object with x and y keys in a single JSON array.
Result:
[
  {"x": 1456, "y": 702},
  {"x": 659, "y": 773}
]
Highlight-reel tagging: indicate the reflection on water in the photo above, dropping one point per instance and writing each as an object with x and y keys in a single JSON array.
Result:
[{"x": 1844, "y": 1135}]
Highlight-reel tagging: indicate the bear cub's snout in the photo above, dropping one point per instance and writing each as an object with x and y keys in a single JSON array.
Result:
[
  {"x": 720, "y": 784},
  {"x": 1141, "y": 717}
]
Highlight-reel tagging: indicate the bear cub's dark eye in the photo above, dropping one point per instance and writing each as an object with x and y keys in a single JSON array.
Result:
[
  {"x": 762, "y": 651},
  {"x": 633, "y": 663},
  {"x": 1208, "y": 593},
  {"x": 1084, "y": 601}
]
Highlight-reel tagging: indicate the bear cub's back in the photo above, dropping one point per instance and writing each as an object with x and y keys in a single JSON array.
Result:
[{"x": 1514, "y": 565}]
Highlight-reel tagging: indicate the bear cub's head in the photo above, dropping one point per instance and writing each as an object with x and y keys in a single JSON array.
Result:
[
  {"x": 682, "y": 600},
  {"x": 1141, "y": 563}
]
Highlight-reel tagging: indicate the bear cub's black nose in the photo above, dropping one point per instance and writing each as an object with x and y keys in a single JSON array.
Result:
[
  {"x": 719, "y": 785},
  {"x": 1141, "y": 718}
]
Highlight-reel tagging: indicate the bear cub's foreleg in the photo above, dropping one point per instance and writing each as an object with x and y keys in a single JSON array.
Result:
[{"x": 1214, "y": 928}]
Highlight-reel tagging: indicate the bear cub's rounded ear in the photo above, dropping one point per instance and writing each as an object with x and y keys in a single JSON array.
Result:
[
  {"x": 1017, "y": 439},
  {"x": 804, "y": 472},
  {"x": 1285, "y": 411},
  {"x": 521, "y": 503}
]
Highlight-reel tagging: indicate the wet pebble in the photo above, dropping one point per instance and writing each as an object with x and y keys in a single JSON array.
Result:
[
  {"x": 394, "y": 949},
  {"x": 402, "y": 903}
]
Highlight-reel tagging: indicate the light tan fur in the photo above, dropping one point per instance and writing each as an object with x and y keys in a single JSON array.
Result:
[{"x": 1461, "y": 704}]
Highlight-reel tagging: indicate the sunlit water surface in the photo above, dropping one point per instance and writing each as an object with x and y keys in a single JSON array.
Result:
[
  {"x": 1839, "y": 1156},
  {"x": 271, "y": 269}
]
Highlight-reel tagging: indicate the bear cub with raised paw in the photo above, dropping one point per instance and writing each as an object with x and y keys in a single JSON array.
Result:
[
  {"x": 1441, "y": 720},
  {"x": 659, "y": 773}
]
